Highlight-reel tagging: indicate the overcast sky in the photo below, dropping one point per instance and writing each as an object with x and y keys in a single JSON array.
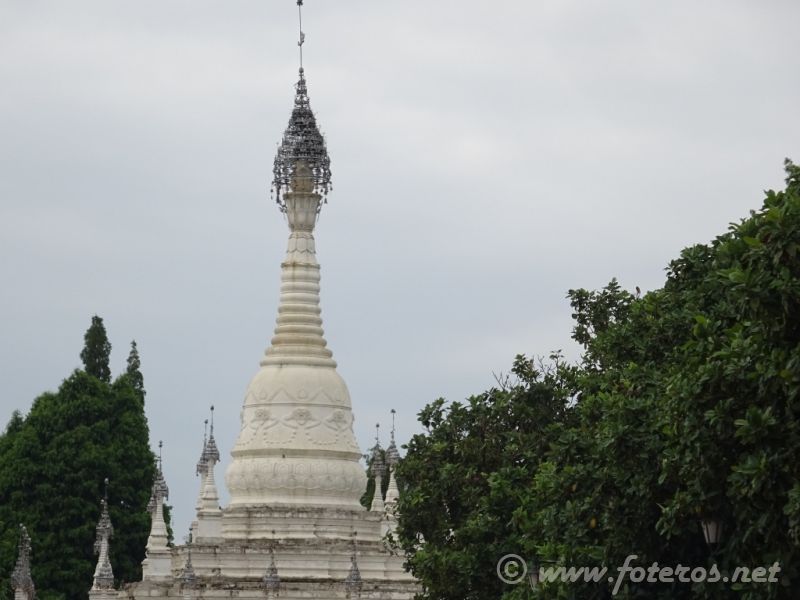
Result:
[{"x": 487, "y": 157}]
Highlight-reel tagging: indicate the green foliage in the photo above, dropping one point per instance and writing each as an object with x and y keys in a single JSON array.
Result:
[
  {"x": 52, "y": 466},
  {"x": 463, "y": 478},
  {"x": 686, "y": 407},
  {"x": 133, "y": 370},
  {"x": 168, "y": 523},
  {"x": 96, "y": 351}
]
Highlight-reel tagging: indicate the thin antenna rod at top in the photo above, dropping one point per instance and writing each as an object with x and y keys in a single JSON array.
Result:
[{"x": 302, "y": 35}]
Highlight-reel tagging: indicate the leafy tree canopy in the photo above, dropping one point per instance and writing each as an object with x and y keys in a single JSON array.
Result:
[
  {"x": 52, "y": 466},
  {"x": 96, "y": 351},
  {"x": 684, "y": 407},
  {"x": 133, "y": 370}
]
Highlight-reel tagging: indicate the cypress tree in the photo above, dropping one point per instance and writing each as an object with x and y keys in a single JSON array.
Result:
[
  {"x": 52, "y": 466},
  {"x": 96, "y": 351},
  {"x": 135, "y": 377}
]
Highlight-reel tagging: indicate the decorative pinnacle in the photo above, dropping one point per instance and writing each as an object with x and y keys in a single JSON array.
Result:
[
  {"x": 392, "y": 455},
  {"x": 21, "y": 579},
  {"x": 377, "y": 453},
  {"x": 353, "y": 583},
  {"x": 302, "y": 142},
  {"x": 211, "y": 452},
  {"x": 104, "y": 529},
  {"x": 271, "y": 582},
  {"x": 159, "y": 492},
  {"x": 103, "y": 575},
  {"x": 189, "y": 578}
]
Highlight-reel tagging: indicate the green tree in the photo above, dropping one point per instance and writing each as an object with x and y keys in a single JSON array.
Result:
[
  {"x": 96, "y": 351},
  {"x": 51, "y": 478},
  {"x": 133, "y": 370},
  {"x": 686, "y": 408},
  {"x": 463, "y": 477}
]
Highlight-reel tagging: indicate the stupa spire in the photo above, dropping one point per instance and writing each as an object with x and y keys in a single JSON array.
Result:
[
  {"x": 188, "y": 578},
  {"x": 392, "y": 454},
  {"x": 271, "y": 582},
  {"x": 392, "y": 458},
  {"x": 378, "y": 466},
  {"x": 209, "y": 513},
  {"x": 353, "y": 583},
  {"x": 103, "y": 574},
  {"x": 211, "y": 450},
  {"x": 21, "y": 580},
  {"x": 200, "y": 471},
  {"x": 296, "y": 445},
  {"x": 157, "y": 564}
]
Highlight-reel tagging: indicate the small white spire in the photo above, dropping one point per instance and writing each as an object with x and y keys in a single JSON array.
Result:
[
  {"x": 188, "y": 578},
  {"x": 377, "y": 466},
  {"x": 157, "y": 565},
  {"x": 392, "y": 458},
  {"x": 392, "y": 493},
  {"x": 103, "y": 583},
  {"x": 21, "y": 580},
  {"x": 209, "y": 513},
  {"x": 271, "y": 582},
  {"x": 354, "y": 583}
]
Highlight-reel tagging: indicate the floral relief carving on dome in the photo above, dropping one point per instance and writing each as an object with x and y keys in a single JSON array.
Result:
[{"x": 302, "y": 425}]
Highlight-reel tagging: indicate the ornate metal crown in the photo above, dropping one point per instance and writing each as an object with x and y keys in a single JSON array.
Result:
[{"x": 301, "y": 141}]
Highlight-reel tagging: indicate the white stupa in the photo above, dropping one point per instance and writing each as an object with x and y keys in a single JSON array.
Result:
[{"x": 295, "y": 527}]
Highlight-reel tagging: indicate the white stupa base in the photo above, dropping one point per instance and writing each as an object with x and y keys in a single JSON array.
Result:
[
  {"x": 157, "y": 566},
  {"x": 209, "y": 527},
  {"x": 312, "y": 549}
]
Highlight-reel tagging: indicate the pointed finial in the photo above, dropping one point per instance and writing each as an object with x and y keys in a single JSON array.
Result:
[
  {"x": 21, "y": 580},
  {"x": 271, "y": 582},
  {"x": 392, "y": 454},
  {"x": 377, "y": 465},
  {"x": 105, "y": 492},
  {"x": 210, "y": 455},
  {"x": 353, "y": 583},
  {"x": 159, "y": 492},
  {"x": 302, "y": 35},
  {"x": 189, "y": 578},
  {"x": 103, "y": 575}
]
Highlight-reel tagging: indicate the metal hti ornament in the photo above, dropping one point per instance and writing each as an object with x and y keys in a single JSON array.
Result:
[{"x": 302, "y": 141}]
